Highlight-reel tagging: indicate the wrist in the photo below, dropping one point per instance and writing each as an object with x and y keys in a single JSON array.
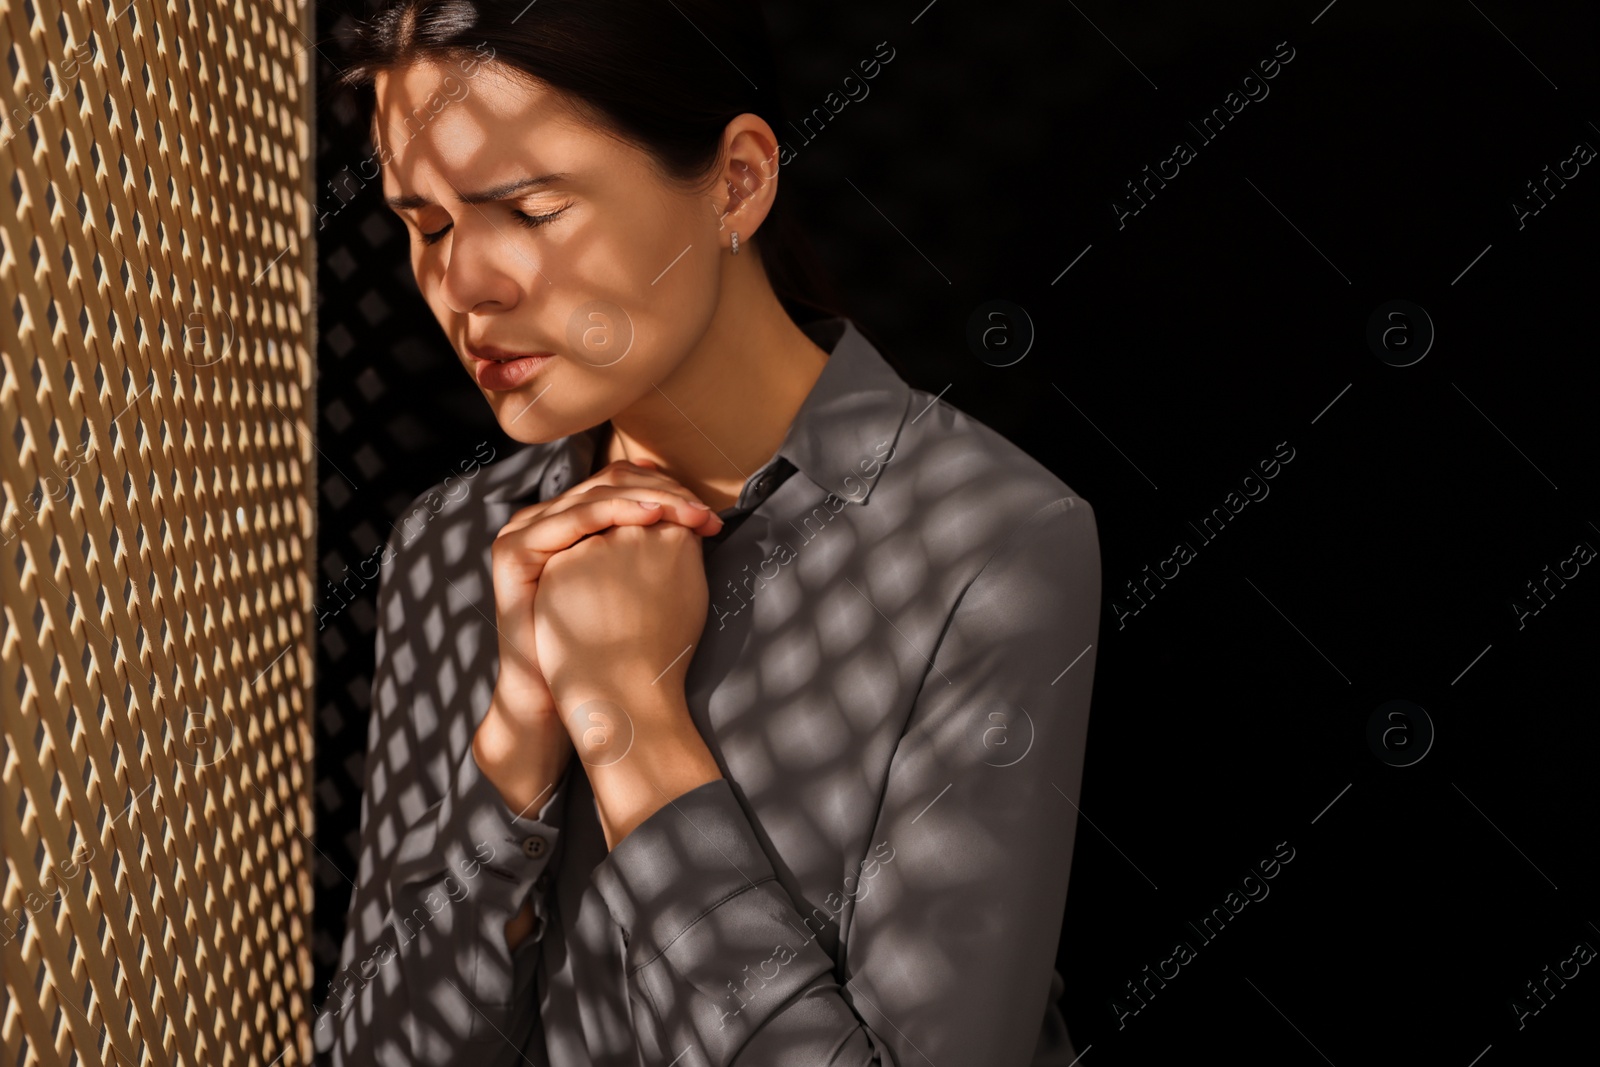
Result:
[
  {"x": 626, "y": 796},
  {"x": 613, "y": 679},
  {"x": 522, "y": 761},
  {"x": 665, "y": 758}
]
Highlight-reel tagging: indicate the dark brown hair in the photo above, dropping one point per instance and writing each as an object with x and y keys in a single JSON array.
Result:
[{"x": 665, "y": 75}]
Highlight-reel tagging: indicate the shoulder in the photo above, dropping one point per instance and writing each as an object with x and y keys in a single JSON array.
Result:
[{"x": 974, "y": 482}]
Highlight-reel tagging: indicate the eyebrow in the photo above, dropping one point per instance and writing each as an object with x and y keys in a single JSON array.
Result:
[{"x": 487, "y": 196}]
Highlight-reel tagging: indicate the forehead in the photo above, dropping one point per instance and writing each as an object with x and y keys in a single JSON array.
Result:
[{"x": 457, "y": 113}]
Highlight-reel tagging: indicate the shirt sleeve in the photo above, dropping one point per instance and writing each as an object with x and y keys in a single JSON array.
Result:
[
  {"x": 950, "y": 931},
  {"x": 425, "y": 977}
]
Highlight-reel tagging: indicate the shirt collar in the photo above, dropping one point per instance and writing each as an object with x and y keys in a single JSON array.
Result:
[
  {"x": 851, "y": 416},
  {"x": 837, "y": 439}
]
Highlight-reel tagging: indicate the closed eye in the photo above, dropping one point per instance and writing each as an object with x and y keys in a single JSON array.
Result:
[
  {"x": 522, "y": 217},
  {"x": 530, "y": 221}
]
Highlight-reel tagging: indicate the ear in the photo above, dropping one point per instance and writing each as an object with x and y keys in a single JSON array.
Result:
[{"x": 747, "y": 184}]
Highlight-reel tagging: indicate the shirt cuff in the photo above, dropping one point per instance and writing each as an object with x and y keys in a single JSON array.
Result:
[
  {"x": 474, "y": 836},
  {"x": 459, "y": 876},
  {"x": 704, "y": 916}
]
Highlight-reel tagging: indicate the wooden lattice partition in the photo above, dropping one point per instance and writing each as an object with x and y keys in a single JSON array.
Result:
[{"x": 158, "y": 470}]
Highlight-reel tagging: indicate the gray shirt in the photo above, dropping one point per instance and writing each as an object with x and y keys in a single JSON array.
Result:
[{"x": 894, "y": 677}]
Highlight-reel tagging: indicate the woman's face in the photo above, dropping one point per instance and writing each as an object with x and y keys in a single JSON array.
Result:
[{"x": 572, "y": 246}]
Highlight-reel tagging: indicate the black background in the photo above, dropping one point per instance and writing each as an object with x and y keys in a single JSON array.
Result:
[{"x": 1181, "y": 348}]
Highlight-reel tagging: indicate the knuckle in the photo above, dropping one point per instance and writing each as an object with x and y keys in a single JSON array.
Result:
[{"x": 677, "y": 532}]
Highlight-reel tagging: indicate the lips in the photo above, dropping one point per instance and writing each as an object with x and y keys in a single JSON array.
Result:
[
  {"x": 493, "y": 354},
  {"x": 500, "y": 369}
]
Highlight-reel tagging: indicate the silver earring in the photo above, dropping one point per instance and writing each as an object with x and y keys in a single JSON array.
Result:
[{"x": 735, "y": 242}]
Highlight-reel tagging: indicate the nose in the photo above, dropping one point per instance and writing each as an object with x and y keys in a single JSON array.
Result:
[{"x": 476, "y": 278}]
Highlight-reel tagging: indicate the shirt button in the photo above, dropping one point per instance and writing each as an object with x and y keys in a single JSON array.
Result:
[
  {"x": 556, "y": 480},
  {"x": 534, "y": 846}
]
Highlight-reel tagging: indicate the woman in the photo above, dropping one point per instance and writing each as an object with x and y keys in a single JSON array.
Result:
[{"x": 821, "y": 644}]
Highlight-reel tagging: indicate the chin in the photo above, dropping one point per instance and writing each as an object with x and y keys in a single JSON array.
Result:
[
  {"x": 531, "y": 431},
  {"x": 530, "y": 425}
]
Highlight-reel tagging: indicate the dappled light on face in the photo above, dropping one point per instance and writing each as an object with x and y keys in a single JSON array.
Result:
[{"x": 526, "y": 271}]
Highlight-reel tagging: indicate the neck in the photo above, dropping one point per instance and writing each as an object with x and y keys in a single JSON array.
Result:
[{"x": 724, "y": 409}]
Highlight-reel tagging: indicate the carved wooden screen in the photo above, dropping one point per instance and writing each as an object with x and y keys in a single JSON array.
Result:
[{"x": 158, "y": 473}]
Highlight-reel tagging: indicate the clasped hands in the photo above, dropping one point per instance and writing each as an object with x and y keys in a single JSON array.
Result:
[{"x": 600, "y": 595}]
